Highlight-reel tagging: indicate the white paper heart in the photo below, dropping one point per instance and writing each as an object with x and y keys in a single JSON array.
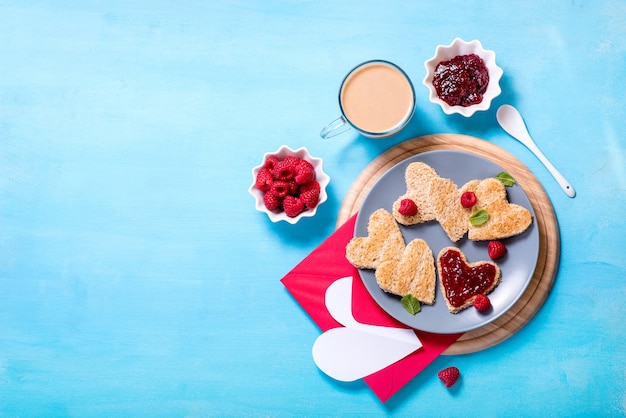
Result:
[{"x": 357, "y": 350}]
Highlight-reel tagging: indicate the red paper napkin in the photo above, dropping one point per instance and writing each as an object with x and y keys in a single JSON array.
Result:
[{"x": 307, "y": 283}]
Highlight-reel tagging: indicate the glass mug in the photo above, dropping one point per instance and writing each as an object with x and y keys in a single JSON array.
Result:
[{"x": 376, "y": 99}]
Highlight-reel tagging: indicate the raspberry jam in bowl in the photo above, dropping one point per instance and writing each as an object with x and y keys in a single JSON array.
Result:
[
  {"x": 462, "y": 77},
  {"x": 289, "y": 184}
]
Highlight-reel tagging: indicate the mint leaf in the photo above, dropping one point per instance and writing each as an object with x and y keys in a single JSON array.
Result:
[
  {"x": 479, "y": 217},
  {"x": 411, "y": 304},
  {"x": 505, "y": 178}
]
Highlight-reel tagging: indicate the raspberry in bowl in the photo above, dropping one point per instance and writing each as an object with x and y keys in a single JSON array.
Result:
[
  {"x": 462, "y": 77},
  {"x": 289, "y": 184}
]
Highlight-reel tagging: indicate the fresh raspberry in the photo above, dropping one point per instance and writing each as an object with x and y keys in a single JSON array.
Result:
[
  {"x": 314, "y": 185},
  {"x": 449, "y": 376},
  {"x": 270, "y": 162},
  {"x": 284, "y": 170},
  {"x": 468, "y": 199},
  {"x": 264, "y": 179},
  {"x": 294, "y": 187},
  {"x": 407, "y": 207},
  {"x": 305, "y": 172},
  {"x": 495, "y": 249},
  {"x": 292, "y": 160},
  {"x": 280, "y": 188},
  {"x": 310, "y": 197},
  {"x": 271, "y": 201},
  {"x": 482, "y": 303},
  {"x": 293, "y": 206}
]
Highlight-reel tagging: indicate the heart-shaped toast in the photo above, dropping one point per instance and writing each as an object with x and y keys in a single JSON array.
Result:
[
  {"x": 384, "y": 241},
  {"x": 445, "y": 199},
  {"x": 461, "y": 281},
  {"x": 417, "y": 176},
  {"x": 413, "y": 273},
  {"x": 505, "y": 219},
  {"x": 399, "y": 269},
  {"x": 436, "y": 198}
]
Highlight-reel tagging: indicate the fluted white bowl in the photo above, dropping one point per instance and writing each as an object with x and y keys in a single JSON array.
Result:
[
  {"x": 322, "y": 178},
  {"x": 461, "y": 47}
]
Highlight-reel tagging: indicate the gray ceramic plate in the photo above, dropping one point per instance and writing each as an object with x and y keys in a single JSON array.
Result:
[{"x": 518, "y": 265}]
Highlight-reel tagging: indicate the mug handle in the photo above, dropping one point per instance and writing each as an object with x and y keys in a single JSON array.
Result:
[{"x": 336, "y": 127}]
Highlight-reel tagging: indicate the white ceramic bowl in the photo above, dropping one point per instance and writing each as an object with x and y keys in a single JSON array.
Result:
[
  {"x": 320, "y": 176},
  {"x": 460, "y": 47}
]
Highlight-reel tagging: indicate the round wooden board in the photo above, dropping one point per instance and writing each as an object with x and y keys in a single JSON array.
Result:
[{"x": 549, "y": 239}]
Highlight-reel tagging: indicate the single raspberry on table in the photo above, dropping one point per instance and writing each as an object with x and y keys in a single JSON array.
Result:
[
  {"x": 468, "y": 199},
  {"x": 449, "y": 376},
  {"x": 264, "y": 179},
  {"x": 482, "y": 303},
  {"x": 271, "y": 201},
  {"x": 293, "y": 206},
  {"x": 305, "y": 172},
  {"x": 407, "y": 207},
  {"x": 495, "y": 249}
]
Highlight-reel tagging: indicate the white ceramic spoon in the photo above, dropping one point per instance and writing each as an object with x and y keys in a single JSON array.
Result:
[{"x": 511, "y": 121}]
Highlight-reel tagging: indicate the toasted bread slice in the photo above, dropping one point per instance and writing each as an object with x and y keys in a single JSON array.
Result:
[
  {"x": 399, "y": 269},
  {"x": 413, "y": 274},
  {"x": 505, "y": 219},
  {"x": 383, "y": 242},
  {"x": 461, "y": 282},
  {"x": 446, "y": 201},
  {"x": 417, "y": 176}
]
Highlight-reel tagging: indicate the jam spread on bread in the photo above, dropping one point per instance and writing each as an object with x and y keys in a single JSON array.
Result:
[{"x": 462, "y": 281}]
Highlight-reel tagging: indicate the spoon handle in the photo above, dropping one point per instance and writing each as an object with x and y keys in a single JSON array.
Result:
[
  {"x": 512, "y": 122},
  {"x": 565, "y": 185}
]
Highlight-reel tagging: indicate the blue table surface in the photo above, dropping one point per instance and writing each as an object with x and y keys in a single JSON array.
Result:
[{"x": 136, "y": 277}]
